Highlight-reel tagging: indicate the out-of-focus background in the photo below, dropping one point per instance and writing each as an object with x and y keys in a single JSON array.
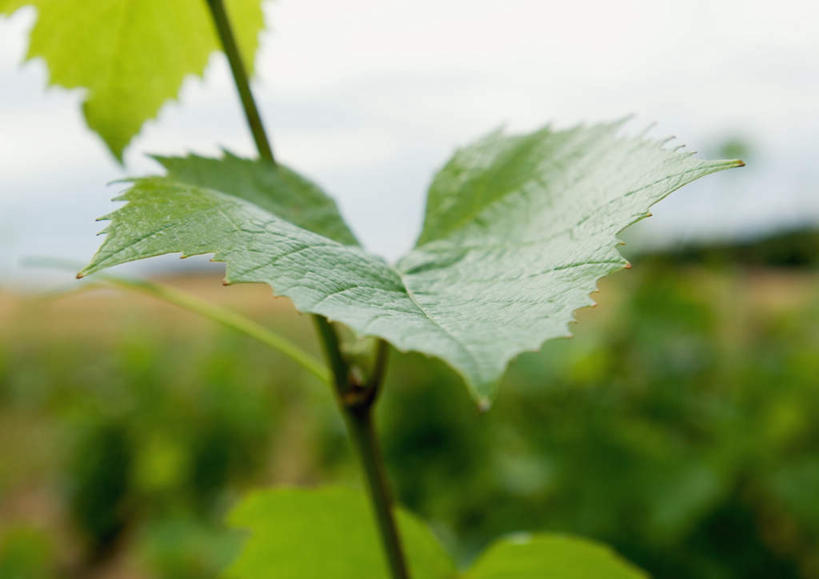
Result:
[{"x": 677, "y": 425}]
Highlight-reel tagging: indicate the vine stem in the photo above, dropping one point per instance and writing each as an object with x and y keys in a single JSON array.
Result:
[
  {"x": 362, "y": 431},
  {"x": 237, "y": 68},
  {"x": 355, "y": 400}
]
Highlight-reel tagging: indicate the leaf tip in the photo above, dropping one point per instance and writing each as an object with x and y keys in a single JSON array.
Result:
[
  {"x": 729, "y": 164},
  {"x": 113, "y": 143}
]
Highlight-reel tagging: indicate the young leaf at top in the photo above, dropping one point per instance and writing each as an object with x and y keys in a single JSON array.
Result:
[
  {"x": 130, "y": 55},
  {"x": 518, "y": 230},
  {"x": 323, "y": 533}
]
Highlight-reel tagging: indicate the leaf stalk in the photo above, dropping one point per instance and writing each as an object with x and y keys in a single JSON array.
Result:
[
  {"x": 184, "y": 300},
  {"x": 227, "y": 318}
]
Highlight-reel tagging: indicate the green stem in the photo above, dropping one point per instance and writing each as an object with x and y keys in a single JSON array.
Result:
[
  {"x": 332, "y": 352},
  {"x": 360, "y": 423},
  {"x": 237, "y": 68},
  {"x": 382, "y": 350},
  {"x": 356, "y": 400}
]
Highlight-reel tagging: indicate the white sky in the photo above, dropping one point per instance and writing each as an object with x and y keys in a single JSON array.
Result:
[{"x": 370, "y": 96}]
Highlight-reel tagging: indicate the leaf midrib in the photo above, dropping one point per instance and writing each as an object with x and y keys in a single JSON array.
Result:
[{"x": 461, "y": 346}]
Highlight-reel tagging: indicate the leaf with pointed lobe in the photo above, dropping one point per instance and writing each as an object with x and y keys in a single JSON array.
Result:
[{"x": 518, "y": 230}]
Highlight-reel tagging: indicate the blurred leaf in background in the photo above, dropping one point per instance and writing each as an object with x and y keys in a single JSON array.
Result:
[
  {"x": 26, "y": 553},
  {"x": 326, "y": 532},
  {"x": 130, "y": 56},
  {"x": 330, "y": 532}
]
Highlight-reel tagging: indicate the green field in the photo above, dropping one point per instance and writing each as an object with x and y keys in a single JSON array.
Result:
[{"x": 677, "y": 425}]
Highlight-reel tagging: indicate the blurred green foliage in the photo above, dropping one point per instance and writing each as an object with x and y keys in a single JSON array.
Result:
[
  {"x": 25, "y": 553},
  {"x": 794, "y": 248},
  {"x": 677, "y": 425}
]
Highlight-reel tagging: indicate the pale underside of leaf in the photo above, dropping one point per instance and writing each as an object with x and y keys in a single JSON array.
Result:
[
  {"x": 130, "y": 56},
  {"x": 518, "y": 231}
]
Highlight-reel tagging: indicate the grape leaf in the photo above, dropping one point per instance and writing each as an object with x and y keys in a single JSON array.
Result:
[
  {"x": 327, "y": 532},
  {"x": 518, "y": 230},
  {"x": 551, "y": 555},
  {"x": 130, "y": 55}
]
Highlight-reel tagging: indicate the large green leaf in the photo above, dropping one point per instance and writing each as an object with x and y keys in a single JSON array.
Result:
[
  {"x": 130, "y": 55},
  {"x": 326, "y": 533},
  {"x": 518, "y": 230}
]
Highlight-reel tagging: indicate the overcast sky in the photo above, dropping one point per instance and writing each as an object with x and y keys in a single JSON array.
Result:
[{"x": 370, "y": 96}]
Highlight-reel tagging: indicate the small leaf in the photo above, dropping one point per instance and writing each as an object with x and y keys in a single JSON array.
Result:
[
  {"x": 548, "y": 556},
  {"x": 130, "y": 55},
  {"x": 323, "y": 533},
  {"x": 518, "y": 230}
]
